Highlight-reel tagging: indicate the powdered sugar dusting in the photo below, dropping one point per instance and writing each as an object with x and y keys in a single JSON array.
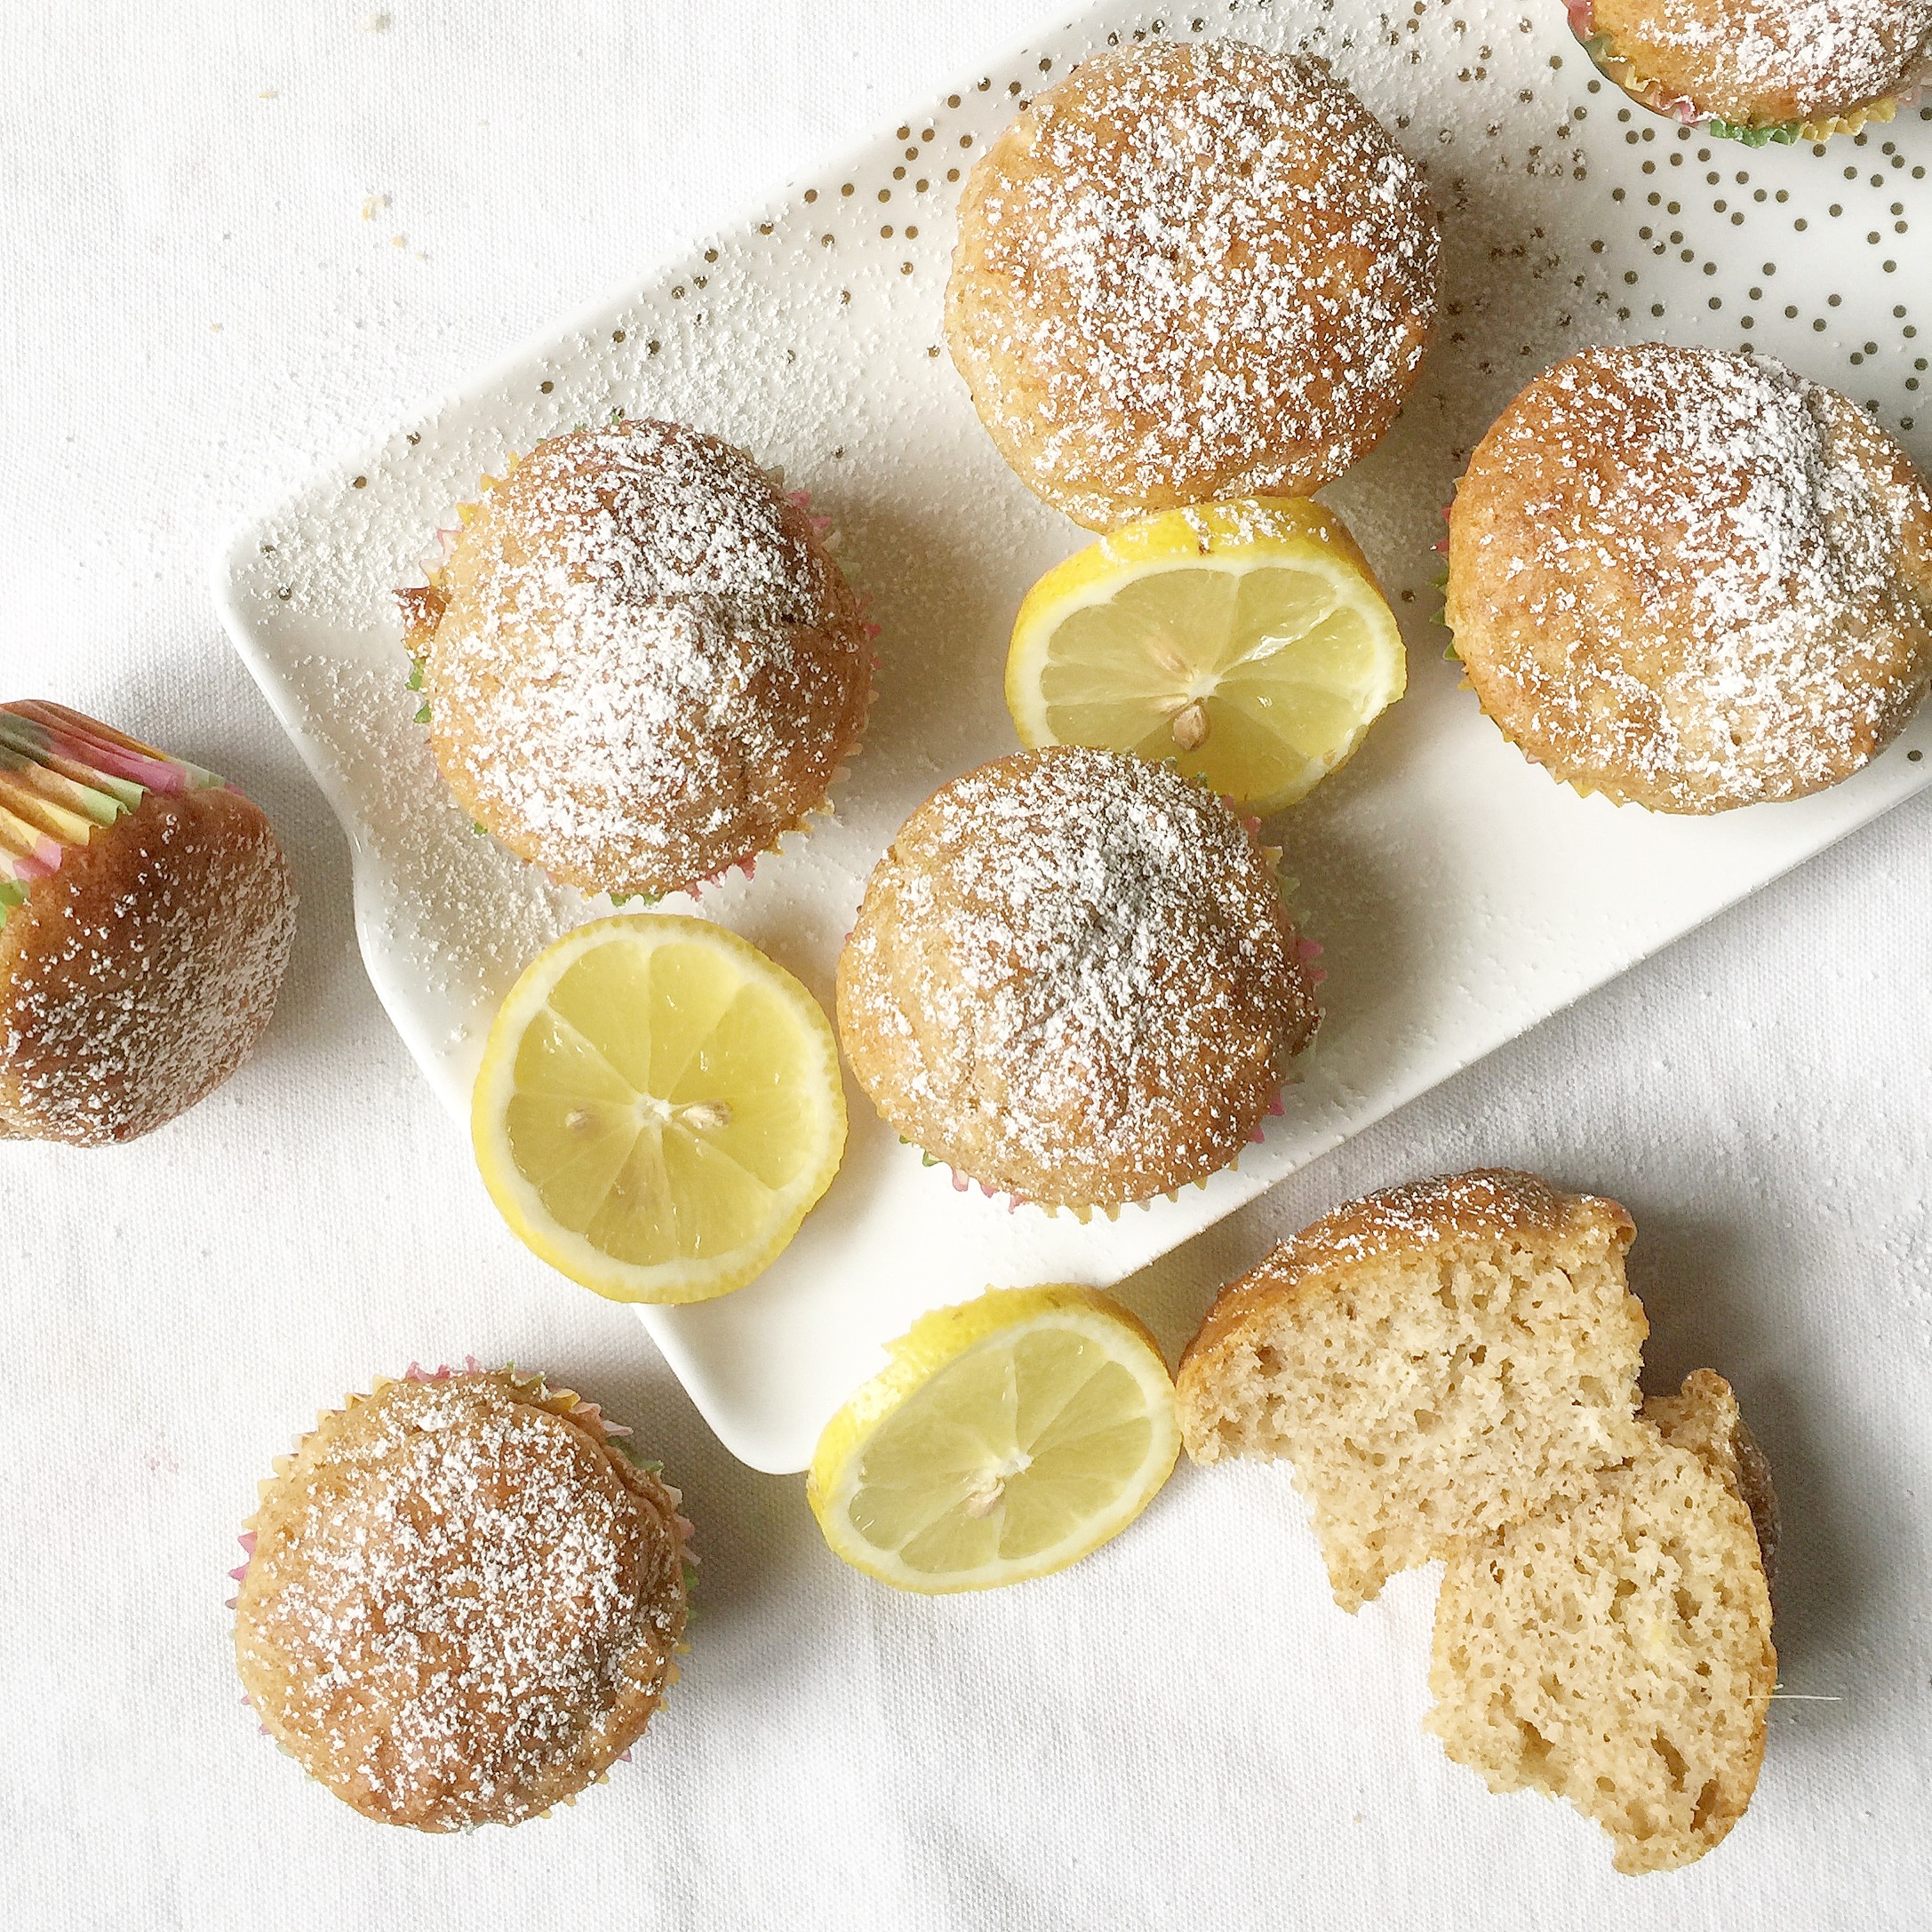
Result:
[
  {"x": 1494, "y": 1201},
  {"x": 649, "y": 667},
  {"x": 1687, "y": 577},
  {"x": 1072, "y": 978},
  {"x": 1189, "y": 272},
  {"x": 137, "y": 978},
  {"x": 463, "y": 914},
  {"x": 462, "y": 1604}
]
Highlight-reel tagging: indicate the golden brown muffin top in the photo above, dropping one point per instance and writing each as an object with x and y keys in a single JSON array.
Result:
[
  {"x": 1073, "y": 978},
  {"x": 1191, "y": 271},
  {"x": 462, "y": 1601},
  {"x": 1498, "y": 1204},
  {"x": 1768, "y": 61},
  {"x": 1691, "y": 578},
  {"x": 642, "y": 665}
]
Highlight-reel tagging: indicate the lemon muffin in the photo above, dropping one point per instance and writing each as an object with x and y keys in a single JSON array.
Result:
[
  {"x": 640, "y": 664},
  {"x": 1691, "y": 580},
  {"x": 1616, "y": 1652},
  {"x": 1073, "y": 979},
  {"x": 1762, "y": 69},
  {"x": 145, "y": 918},
  {"x": 1190, "y": 271},
  {"x": 461, "y": 1600},
  {"x": 1436, "y": 1360}
]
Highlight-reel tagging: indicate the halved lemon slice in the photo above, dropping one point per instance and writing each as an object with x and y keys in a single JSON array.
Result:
[
  {"x": 659, "y": 1107},
  {"x": 1009, "y": 1436},
  {"x": 1246, "y": 641}
]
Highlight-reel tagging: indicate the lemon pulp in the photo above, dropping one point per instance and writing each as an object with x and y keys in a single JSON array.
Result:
[
  {"x": 659, "y": 1107},
  {"x": 1009, "y": 1436},
  {"x": 1248, "y": 641}
]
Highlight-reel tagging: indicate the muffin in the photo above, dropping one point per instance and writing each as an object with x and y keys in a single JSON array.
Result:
[
  {"x": 641, "y": 665},
  {"x": 1691, "y": 580},
  {"x": 1190, "y": 271},
  {"x": 1762, "y": 69},
  {"x": 1451, "y": 1366},
  {"x": 145, "y": 918},
  {"x": 1436, "y": 1360},
  {"x": 1072, "y": 980},
  {"x": 1616, "y": 1652},
  {"x": 461, "y": 1600}
]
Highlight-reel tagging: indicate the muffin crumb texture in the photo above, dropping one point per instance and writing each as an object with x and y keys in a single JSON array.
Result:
[
  {"x": 462, "y": 1601},
  {"x": 1452, "y": 1368},
  {"x": 1436, "y": 1360},
  {"x": 1617, "y": 1653}
]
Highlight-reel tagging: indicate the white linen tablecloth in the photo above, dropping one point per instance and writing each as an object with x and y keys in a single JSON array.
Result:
[{"x": 236, "y": 237}]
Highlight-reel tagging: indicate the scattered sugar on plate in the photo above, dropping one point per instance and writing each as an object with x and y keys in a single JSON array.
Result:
[{"x": 466, "y": 913}]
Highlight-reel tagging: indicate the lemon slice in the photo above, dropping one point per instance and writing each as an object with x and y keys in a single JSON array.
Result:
[
  {"x": 1009, "y": 1436},
  {"x": 1246, "y": 641},
  {"x": 659, "y": 1107}
]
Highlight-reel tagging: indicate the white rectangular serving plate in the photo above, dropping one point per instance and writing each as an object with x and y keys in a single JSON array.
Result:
[{"x": 1460, "y": 895}]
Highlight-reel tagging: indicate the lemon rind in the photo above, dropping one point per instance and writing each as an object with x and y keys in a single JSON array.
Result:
[
  {"x": 1235, "y": 537},
  {"x": 945, "y": 1335}
]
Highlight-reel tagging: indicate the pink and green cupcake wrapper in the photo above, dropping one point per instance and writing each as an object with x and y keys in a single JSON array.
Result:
[
  {"x": 63, "y": 776},
  {"x": 1653, "y": 94}
]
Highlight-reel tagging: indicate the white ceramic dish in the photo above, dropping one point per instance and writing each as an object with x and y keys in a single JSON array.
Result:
[{"x": 1460, "y": 895}]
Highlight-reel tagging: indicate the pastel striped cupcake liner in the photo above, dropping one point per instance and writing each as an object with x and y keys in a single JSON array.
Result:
[{"x": 63, "y": 776}]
